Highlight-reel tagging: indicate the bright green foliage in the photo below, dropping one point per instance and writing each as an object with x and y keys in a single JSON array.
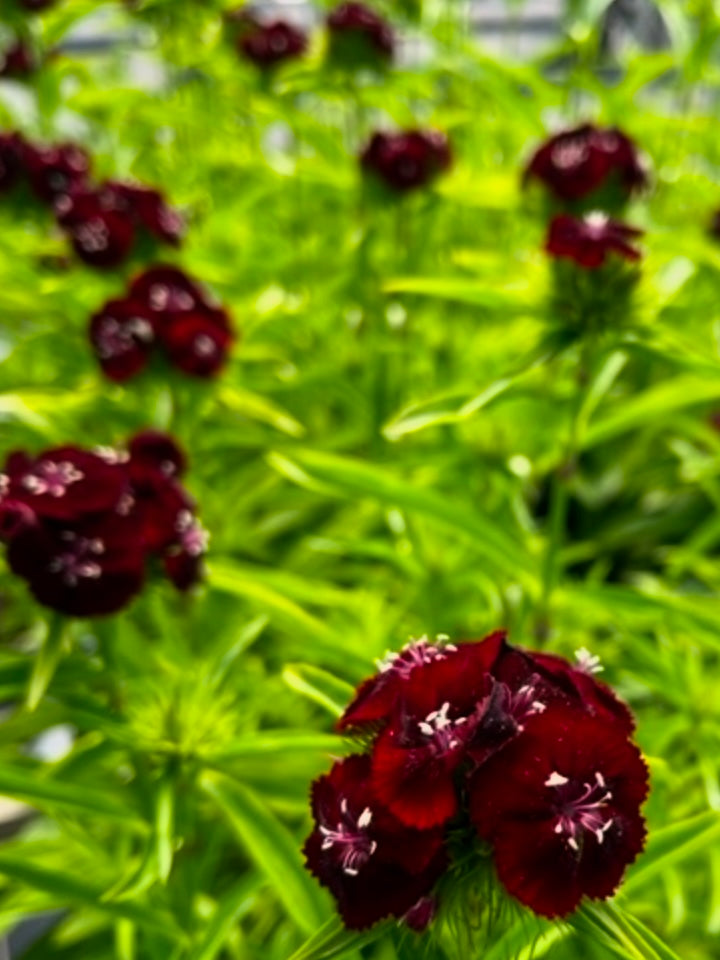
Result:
[{"x": 378, "y": 461}]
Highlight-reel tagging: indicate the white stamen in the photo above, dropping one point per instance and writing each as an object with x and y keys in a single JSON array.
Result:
[
  {"x": 556, "y": 780},
  {"x": 365, "y": 818}
]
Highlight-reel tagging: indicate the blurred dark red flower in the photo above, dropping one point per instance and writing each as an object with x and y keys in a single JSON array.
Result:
[
  {"x": 35, "y": 5},
  {"x": 55, "y": 170},
  {"x": 269, "y": 44},
  {"x": 164, "y": 307},
  {"x": 575, "y": 163},
  {"x": 359, "y": 36},
  {"x": 197, "y": 343},
  {"x": 12, "y": 147},
  {"x": 17, "y": 61},
  {"x": 122, "y": 336},
  {"x": 374, "y": 866},
  {"x": 591, "y": 239},
  {"x": 80, "y": 525},
  {"x": 561, "y": 807},
  {"x": 158, "y": 450},
  {"x": 148, "y": 209},
  {"x": 100, "y": 230},
  {"x": 406, "y": 160}
]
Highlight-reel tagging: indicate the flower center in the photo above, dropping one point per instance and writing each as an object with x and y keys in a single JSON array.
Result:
[
  {"x": 415, "y": 654},
  {"x": 79, "y": 560},
  {"x": 163, "y": 297},
  {"x": 93, "y": 235},
  {"x": 580, "y": 808},
  {"x": 193, "y": 537},
  {"x": 350, "y": 841},
  {"x": 569, "y": 154},
  {"x": 441, "y": 730},
  {"x": 115, "y": 338},
  {"x": 51, "y": 478}
]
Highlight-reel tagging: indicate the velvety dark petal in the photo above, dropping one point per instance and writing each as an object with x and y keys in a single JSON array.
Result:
[
  {"x": 160, "y": 502},
  {"x": 89, "y": 569},
  {"x": 122, "y": 335},
  {"x": 421, "y": 914},
  {"x": 358, "y": 35},
  {"x": 158, "y": 450},
  {"x": 17, "y": 61},
  {"x": 589, "y": 240},
  {"x": 67, "y": 483},
  {"x": 167, "y": 290},
  {"x": 183, "y": 569},
  {"x": 53, "y": 171},
  {"x": 416, "y": 783},
  {"x": 269, "y": 44},
  {"x": 149, "y": 210},
  {"x": 11, "y": 160},
  {"x": 406, "y": 160},
  {"x": 196, "y": 343},
  {"x": 15, "y": 517}
]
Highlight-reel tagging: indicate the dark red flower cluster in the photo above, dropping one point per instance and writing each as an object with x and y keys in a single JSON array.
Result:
[
  {"x": 81, "y": 525},
  {"x": 589, "y": 240},
  {"x": 531, "y": 752},
  {"x": 359, "y": 36},
  {"x": 406, "y": 160},
  {"x": 267, "y": 43},
  {"x": 103, "y": 222},
  {"x": 577, "y": 163},
  {"x": 17, "y": 61},
  {"x": 163, "y": 307}
]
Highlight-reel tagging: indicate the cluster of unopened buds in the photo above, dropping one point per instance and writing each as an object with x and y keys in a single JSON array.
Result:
[
  {"x": 163, "y": 311},
  {"x": 520, "y": 756},
  {"x": 81, "y": 525},
  {"x": 357, "y": 37},
  {"x": 105, "y": 222},
  {"x": 590, "y": 173}
]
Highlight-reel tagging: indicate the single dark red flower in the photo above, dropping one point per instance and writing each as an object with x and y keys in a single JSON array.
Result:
[
  {"x": 359, "y": 36},
  {"x": 158, "y": 450},
  {"x": 53, "y": 171},
  {"x": 406, "y": 160},
  {"x": 17, "y": 61},
  {"x": 64, "y": 483},
  {"x": 374, "y": 866},
  {"x": 197, "y": 343},
  {"x": 100, "y": 229},
  {"x": 90, "y": 568},
  {"x": 168, "y": 290},
  {"x": 561, "y": 807},
  {"x": 272, "y": 43},
  {"x": 575, "y": 163},
  {"x": 122, "y": 335},
  {"x": 591, "y": 239},
  {"x": 12, "y": 147},
  {"x": 148, "y": 210}
]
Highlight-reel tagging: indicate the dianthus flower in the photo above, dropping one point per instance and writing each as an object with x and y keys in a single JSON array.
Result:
[
  {"x": 17, "y": 61},
  {"x": 590, "y": 240},
  {"x": 577, "y": 163},
  {"x": 80, "y": 525},
  {"x": 103, "y": 222},
  {"x": 269, "y": 44},
  {"x": 406, "y": 160},
  {"x": 374, "y": 866},
  {"x": 358, "y": 36},
  {"x": 55, "y": 170},
  {"x": 162, "y": 309},
  {"x": 530, "y": 751}
]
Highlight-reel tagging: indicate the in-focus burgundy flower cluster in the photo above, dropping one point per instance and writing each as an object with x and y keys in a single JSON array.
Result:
[
  {"x": 589, "y": 170},
  {"x": 104, "y": 222},
  {"x": 80, "y": 526},
  {"x": 406, "y": 160},
  {"x": 163, "y": 308},
  {"x": 524, "y": 751}
]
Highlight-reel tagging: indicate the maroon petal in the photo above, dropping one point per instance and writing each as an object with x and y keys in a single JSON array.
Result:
[
  {"x": 157, "y": 450},
  {"x": 196, "y": 343}
]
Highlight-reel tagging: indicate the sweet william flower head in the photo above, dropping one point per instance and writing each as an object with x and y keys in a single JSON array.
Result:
[
  {"x": 561, "y": 807},
  {"x": 17, "y": 61},
  {"x": 269, "y": 44},
  {"x": 358, "y": 36},
  {"x": 55, "y": 170},
  {"x": 122, "y": 335},
  {"x": 100, "y": 229},
  {"x": 406, "y": 160},
  {"x": 374, "y": 866},
  {"x": 590, "y": 240},
  {"x": 576, "y": 164}
]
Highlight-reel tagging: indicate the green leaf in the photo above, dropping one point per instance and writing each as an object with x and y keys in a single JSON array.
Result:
[
  {"x": 272, "y": 848},
  {"x": 356, "y": 478},
  {"x": 237, "y": 901},
  {"x": 77, "y": 799},
  {"x": 671, "y": 844},
  {"x": 46, "y": 661},
  {"x": 333, "y": 939},
  {"x": 319, "y": 686},
  {"x": 67, "y": 888}
]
